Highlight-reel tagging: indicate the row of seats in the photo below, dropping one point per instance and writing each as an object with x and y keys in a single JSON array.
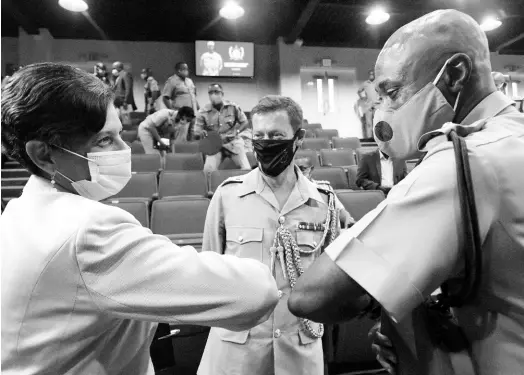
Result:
[
  {"x": 182, "y": 218},
  {"x": 309, "y": 143},
  {"x": 195, "y": 183}
]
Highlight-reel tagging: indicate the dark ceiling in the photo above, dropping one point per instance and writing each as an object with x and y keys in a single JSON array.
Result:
[{"x": 317, "y": 22}]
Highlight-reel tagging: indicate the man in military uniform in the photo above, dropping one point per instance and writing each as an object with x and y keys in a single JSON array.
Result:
[
  {"x": 159, "y": 129},
  {"x": 211, "y": 61},
  {"x": 151, "y": 90},
  {"x": 179, "y": 90},
  {"x": 230, "y": 122},
  {"x": 276, "y": 215}
]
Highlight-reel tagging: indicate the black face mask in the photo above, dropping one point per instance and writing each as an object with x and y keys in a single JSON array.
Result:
[{"x": 274, "y": 155}]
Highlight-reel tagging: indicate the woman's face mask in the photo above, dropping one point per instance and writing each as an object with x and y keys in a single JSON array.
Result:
[
  {"x": 397, "y": 131},
  {"x": 110, "y": 172}
]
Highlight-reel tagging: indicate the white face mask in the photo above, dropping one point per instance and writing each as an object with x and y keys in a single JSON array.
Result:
[
  {"x": 397, "y": 131},
  {"x": 110, "y": 172}
]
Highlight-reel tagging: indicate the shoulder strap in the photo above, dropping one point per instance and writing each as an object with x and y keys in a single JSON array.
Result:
[{"x": 472, "y": 242}]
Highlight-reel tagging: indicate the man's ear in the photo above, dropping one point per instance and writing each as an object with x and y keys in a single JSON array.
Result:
[
  {"x": 300, "y": 137},
  {"x": 40, "y": 154},
  {"x": 458, "y": 72}
]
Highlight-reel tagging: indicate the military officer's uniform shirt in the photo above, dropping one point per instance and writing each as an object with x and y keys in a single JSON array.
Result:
[{"x": 242, "y": 220}]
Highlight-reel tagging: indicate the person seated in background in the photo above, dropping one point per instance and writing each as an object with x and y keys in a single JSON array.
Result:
[
  {"x": 277, "y": 216},
  {"x": 160, "y": 129},
  {"x": 151, "y": 90},
  {"x": 377, "y": 171},
  {"x": 306, "y": 167},
  {"x": 100, "y": 71},
  {"x": 227, "y": 119},
  {"x": 84, "y": 283}
]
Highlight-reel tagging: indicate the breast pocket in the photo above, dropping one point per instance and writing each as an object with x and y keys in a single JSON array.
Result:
[
  {"x": 308, "y": 241},
  {"x": 245, "y": 242}
]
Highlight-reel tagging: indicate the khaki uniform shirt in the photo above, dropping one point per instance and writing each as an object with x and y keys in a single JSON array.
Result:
[
  {"x": 83, "y": 285},
  {"x": 181, "y": 92},
  {"x": 242, "y": 220},
  {"x": 226, "y": 121},
  {"x": 403, "y": 250}
]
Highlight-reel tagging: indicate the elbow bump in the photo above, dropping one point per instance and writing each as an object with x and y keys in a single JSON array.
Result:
[
  {"x": 296, "y": 304},
  {"x": 262, "y": 298}
]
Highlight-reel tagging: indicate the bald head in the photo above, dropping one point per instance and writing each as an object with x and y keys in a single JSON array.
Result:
[
  {"x": 118, "y": 65},
  {"x": 415, "y": 53},
  {"x": 421, "y": 47}
]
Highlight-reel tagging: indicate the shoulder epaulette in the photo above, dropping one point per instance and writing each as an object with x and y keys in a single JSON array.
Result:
[
  {"x": 233, "y": 180},
  {"x": 324, "y": 187}
]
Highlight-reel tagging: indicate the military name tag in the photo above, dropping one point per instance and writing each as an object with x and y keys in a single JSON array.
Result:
[{"x": 315, "y": 227}]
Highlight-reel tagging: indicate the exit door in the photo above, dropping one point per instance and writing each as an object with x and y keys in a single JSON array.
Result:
[{"x": 328, "y": 97}]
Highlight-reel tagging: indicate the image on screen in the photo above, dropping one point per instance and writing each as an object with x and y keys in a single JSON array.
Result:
[{"x": 224, "y": 59}]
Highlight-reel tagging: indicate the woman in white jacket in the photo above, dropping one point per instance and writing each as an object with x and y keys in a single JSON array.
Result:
[{"x": 83, "y": 283}]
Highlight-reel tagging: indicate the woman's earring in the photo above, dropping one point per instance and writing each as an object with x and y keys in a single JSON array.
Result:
[{"x": 53, "y": 179}]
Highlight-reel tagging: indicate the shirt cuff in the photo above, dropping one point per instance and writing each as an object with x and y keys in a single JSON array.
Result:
[{"x": 391, "y": 287}]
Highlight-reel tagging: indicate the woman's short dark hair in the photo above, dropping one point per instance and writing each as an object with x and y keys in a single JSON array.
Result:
[
  {"x": 53, "y": 103},
  {"x": 186, "y": 112},
  {"x": 274, "y": 103}
]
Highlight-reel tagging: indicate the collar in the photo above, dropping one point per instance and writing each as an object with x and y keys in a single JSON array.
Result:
[
  {"x": 382, "y": 156},
  {"x": 255, "y": 183},
  {"x": 475, "y": 121},
  {"x": 209, "y": 107},
  {"x": 38, "y": 185}
]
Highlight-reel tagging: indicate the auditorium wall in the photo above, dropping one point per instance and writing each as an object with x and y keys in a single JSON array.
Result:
[{"x": 159, "y": 56}]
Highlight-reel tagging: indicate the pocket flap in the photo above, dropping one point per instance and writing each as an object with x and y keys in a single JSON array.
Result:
[
  {"x": 244, "y": 234},
  {"x": 309, "y": 238},
  {"x": 232, "y": 336},
  {"x": 304, "y": 338}
]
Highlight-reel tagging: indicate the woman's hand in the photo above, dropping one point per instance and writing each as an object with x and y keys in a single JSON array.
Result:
[{"x": 383, "y": 348}]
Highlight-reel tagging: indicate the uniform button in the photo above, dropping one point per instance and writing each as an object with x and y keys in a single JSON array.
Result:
[
  {"x": 240, "y": 239},
  {"x": 281, "y": 219},
  {"x": 280, "y": 294},
  {"x": 277, "y": 333}
]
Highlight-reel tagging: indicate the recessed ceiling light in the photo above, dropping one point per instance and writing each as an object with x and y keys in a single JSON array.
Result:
[
  {"x": 74, "y": 5},
  {"x": 490, "y": 23},
  {"x": 377, "y": 16},
  {"x": 232, "y": 11}
]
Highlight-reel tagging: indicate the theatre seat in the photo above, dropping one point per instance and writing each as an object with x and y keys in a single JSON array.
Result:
[
  {"x": 360, "y": 202},
  {"x": 311, "y": 154},
  {"x": 137, "y": 148},
  {"x": 335, "y": 175},
  {"x": 312, "y": 126},
  {"x": 146, "y": 163},
  {"x": 326, "y": 133},
  {"x": 186, "y": 147},
  {"x": 14, "y": 181},
  {"x": 179, "y": 216},
  {"x": 184, "y": 162},
  {"x": 15, "y": 172},
  {"x": 141, "y": 185},
  {"x": 315, "y": 143},
  {"x": 337, "y": 158},
  {"x": 138, "y": 208},
  {"x": 350, "y": 142},
  {"x": 129, "y": 135},
  {"x": 177, "y": 183},
  {"x": 217, "y": 177},
  {"x": 352, "y": 171}
]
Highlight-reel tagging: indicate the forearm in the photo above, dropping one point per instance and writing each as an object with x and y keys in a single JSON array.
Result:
[
  {"x": 154, "y": 133},
  {"x": 167, "y": 102}
]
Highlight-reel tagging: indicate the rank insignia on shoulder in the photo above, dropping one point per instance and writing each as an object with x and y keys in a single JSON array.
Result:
[
  {"x": 233, "y": 180},
  {"x": 315, "y": 227}
]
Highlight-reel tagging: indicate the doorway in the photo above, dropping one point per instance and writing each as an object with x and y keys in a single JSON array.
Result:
[{"x": 328, "y": 98}]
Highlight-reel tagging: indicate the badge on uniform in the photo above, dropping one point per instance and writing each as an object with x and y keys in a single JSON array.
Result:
[{"x": 315, "y": 227}]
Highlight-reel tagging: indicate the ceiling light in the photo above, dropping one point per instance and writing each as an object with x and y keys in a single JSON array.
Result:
[
  {"x": 490, "y": 23},
  {"x": 73, "y": 5},
  {"x": 232, "y": 11},
  {"x": 377, "y": 16}
]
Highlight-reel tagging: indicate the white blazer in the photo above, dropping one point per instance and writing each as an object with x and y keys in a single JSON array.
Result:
[{"x": 83, "y": 285}]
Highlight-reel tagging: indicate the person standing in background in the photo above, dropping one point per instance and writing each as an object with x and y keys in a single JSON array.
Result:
[
  {"x": 228, "y": 119},
  {"x": 179, "y": 90},
  {"x": 123, "y": 89},
  {"x": 364, "y": 111},
  {"x": 151, "y": 90},
  {"x": 100, "y": 72},
  {"x": 371, "y": 93}
]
